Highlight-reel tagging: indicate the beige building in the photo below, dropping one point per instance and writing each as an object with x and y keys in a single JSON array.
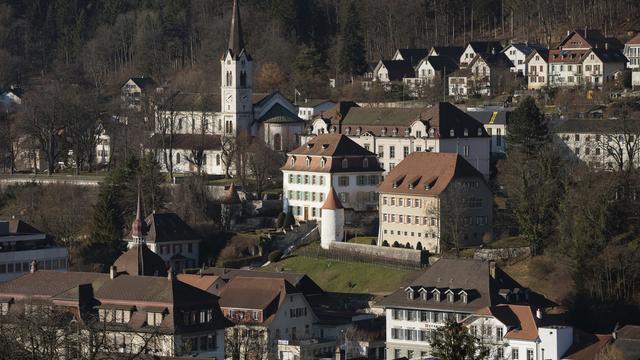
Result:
[{"x": 431, "y": 199}]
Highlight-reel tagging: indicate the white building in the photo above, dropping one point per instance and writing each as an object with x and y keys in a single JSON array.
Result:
[
  {"x": 537, "y": 69},
  {"x": 601, "y": 65},
  {"x": 309, "y": 108},
  {"x": 394, "y": 133},
  {"x": 449, "y": 289},
  {"x": 22, "y": 247},
  {"x": 495, "y": 122},
  {"x": 632, "y": 52},
  {"x": 518, "y": 53},
  {"x": 516, "y": 332},
  {"x": 203, "y": 122},
  {"x": 330, "y": 161},
  {"x": 424, "y": 198},
  {"x": 478, "y": 47},
  {"x": 332, "y": 220}
]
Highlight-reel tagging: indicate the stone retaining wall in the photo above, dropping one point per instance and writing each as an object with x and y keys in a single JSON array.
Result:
[
  {"x": 380, "y": 254},
  {"x": 504, "y": 254}
]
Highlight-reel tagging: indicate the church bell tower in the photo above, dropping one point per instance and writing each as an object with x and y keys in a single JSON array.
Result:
[{"x": 236, "y": 81}]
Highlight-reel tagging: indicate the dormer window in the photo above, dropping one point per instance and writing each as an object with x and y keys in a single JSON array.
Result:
[
  {"x": 322, "y": 162},
  {"x": 154, "y": 318},
  {"x": 410, "y": 293},
  {"x": 466, "y": 132},
  {"x": 451, "y": 297},
  {"x": 293, "y": 160},
  {"x": 345, "y": 163},
  {"x": 407, "y": 132},
  {"x": 436, "y": 294},
  {"x": 479, "y": 131},
  {"x": 464, "y": 296},
  {"x": 308, "y": 161},
  {"x": 452, "y": 133},
  {"x": 365, "y": 163},
  {"x": 424, "y": 294}
]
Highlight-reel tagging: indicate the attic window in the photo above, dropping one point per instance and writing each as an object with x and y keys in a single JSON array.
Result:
[
  {"x": 414, "y": 182},
  {"x": 464, "y": 296},
  {"x": 428, "y": 185},
  {"x": 466, "y": 132},
  {"x": 293, "y": 160},
  {"x": 451, "y": 297},
  {"x": 322, "y": 162},
  {"x": 309, "y": 146},
  {"x": 407, "y": 132},
  {"x": 308, "y": 161},
  {"x": 424, "y": 295},
  {"x": 345, "y": 163},
  {"x": 397, "y": 182},
  {"x": 325, "y": 146},
  {"x": 436, "y": 294},
  {"x": 452, "y": 133},
  {"x": 410, "y": 293},
  {"x": 479, "y": 131},
  {"x": 365, "y": 163}
]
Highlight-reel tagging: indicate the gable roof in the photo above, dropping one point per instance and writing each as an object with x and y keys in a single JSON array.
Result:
[
  {"x": 524, "y": 48},
  {"x": 519, "y": 319},
  {"x": 254, "y": 292},
  {"x": 634, "y": 40},
  {"x": 380, "y": 116},
  {"x": 202, "y": 282},
  {"x": 46, "y": 284},
  {"x": 278, "y": 114},
  {"x": 427, "y": 174},
  {"x": 331, "y": 145},
  {"x": 593, "y": 38},
  {"x": 413, "y": 55},
  {"x": 398, "y": 69},
  {"x": 442, "y": 63},
  {"x": 627, "y": 340},
  {"x": 454, "y": 52},
  {"x": 164, "y": 227},
  {"x": 301, "y": 281},
  {"x": 17, "y": 226},
  {"x": 485, "y": 47},
  {"x": 143, "y": 82},
  {"x": 610, "y": 55},
  {"x": 544, "y": 54},
  {"x": 464, "y": 274},
  {"x": 139, "y": 260},
  {"x": 493, "y": 60}
]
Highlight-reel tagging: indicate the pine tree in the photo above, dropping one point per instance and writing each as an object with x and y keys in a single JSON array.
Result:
[
  {"x": 351, "y": 53},
  {"x": 527, "y": 130},
  {"x": 453, "y": 342},
  {"x": 105, "y": 243}
]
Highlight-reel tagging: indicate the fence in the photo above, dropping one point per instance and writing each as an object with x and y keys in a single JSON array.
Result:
[{"x": 370, "y": 254}]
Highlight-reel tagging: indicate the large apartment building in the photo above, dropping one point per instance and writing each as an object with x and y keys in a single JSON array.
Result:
[
  {"x": 430, "y": 199},
  {"x": 394, "y": 133},
  {"x": 449, "y": 289},
  {"x": 330, "y": 161}
]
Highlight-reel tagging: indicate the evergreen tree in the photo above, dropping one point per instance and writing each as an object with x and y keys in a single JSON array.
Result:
[
  {"x": 527, "y": 130},
  {"x": 105, "y": 242},
  {"x": 453, "y": 342},
  {"x": 351, "y": 53}
]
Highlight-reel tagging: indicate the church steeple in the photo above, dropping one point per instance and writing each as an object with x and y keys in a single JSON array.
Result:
[
  {"x": 236, "y": 41},
  {"x": 139, "y": 226}
]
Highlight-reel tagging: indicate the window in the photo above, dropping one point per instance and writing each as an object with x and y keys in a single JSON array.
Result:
[
  {"x": 381, "y": 151},
  {"x": 177, "y": 158},
  {"x": 365, "y": 163},
  {"x": 529, "y": 354},
  {"x": 343, "y": 181},
  {"x": 392, "y": 152},
  {"x": 406, "y": 151},
  {"x": 345, "y": 163},
  {"x": 515, "y": 353},
  {"x": 321, "y": 180},
  {"x": 344, "y": 197},
  {"x": 361, "y": 180},
  {"x": 4, "y": 308},
  {"x": 499, "y": 334}
]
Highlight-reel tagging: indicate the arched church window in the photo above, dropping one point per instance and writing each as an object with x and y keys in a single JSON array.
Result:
[
  {"x": 229, "y": 78},
  {"x": 277, "y": 142},
  {"x": 243, "y": 78}
]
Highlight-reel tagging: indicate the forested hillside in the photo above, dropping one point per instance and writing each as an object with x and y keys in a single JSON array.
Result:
[{"x": 101, "y": 42}]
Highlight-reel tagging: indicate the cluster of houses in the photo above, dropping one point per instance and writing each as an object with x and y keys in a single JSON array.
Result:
[{"x": 584, "y": 58}]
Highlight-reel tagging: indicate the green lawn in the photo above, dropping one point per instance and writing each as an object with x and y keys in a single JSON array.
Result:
[
  {"x": 362, "y": 239},
  {"x": 346, "y": 276}
]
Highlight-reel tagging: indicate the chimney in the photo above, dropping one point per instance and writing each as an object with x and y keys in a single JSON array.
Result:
[
  {"x": 492, "y": 269},
  {"x": 606, "y": 46},
  {"x": 539, "y": 314},
  {"x": 34, "y": 266},
  {"x": 113, "y": 272},
  {"x": 171, "y": 276}
]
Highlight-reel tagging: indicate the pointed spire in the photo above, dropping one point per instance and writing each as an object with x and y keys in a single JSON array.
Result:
[
  {"x": 332, "y": 202},
  {"x": 139, "y": 226},
  {"x": 232, "y": 195},
  {"x": 236, "y": 42}
]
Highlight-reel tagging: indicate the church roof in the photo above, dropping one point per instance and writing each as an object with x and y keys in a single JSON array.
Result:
[
  {"x": 236, "y": 40},
  {"x": 139, "y": 260},
  {"x": 169, "y": 227},
  {"x": 278, "y": 114}
]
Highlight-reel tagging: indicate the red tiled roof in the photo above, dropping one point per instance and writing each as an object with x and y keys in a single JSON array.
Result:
[
  {"x": 589, "y": 349},
  {"x": 332, "y": 202},
  {"x": 634, "y": 40}
]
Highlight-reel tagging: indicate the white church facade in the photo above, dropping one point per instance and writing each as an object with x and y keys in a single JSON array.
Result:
[{"x": 193, "y": 129}]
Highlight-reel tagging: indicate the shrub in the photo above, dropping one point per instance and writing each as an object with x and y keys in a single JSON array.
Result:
[
  {"x": 395, "y": 244},
  {"x": 374, "y": 242},
  {"x": 275, "y": 256},
  {"x": 385, "y": 243},
  {"x": 281, "y": 219}
]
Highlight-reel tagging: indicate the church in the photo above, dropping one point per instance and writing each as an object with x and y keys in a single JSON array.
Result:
[{"x": 193, "y": 129}]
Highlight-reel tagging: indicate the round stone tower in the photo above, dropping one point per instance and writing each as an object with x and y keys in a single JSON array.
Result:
[{"x": 332, "y": 221}]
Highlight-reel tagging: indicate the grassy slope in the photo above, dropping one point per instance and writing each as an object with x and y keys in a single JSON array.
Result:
[
  {"x": 548, "y": 275},
  {"x": 346, "y": 276}
]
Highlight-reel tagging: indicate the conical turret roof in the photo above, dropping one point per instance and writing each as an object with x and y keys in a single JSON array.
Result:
[{"x": 332, "y": 202}]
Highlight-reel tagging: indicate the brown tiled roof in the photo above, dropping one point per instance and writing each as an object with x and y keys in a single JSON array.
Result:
[
  {"x": 302, "y": 282},
  {"x": 634, "y": 40},
  {"x": 473, "y": 276},
  {"x": 189, "y": 141},
  {"x": 333, "y": 148},
  {"x": 139, "y": 260},
  {"x": 332, "y": 202},
  {"x": 567, "y": 56},
  {"x": 202, "y": 282},
  {"x": 519, "y": 320},
  {"x": 587, "y": 348},
  {"x": 427, "y": 174},
  {"x": 254, "y": 292},
  {"x": 45, "y": 284}
]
